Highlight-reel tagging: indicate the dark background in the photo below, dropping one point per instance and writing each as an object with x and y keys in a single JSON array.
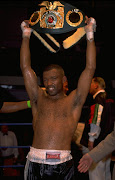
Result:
[
  {"x": 12, "y": 13},
  {"x": 73, "y": 60}
]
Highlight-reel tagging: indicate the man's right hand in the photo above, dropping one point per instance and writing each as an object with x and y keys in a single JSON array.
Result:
[
  {"x": 90, "y": 28},
  {"x": 26, "y": 30}
]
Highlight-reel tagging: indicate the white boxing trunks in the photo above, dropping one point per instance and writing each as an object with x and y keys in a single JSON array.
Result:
[{"x": 51, "y": 157}]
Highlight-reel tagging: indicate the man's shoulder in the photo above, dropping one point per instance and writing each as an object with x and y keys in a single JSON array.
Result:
[{"x": 101, "y": 98}]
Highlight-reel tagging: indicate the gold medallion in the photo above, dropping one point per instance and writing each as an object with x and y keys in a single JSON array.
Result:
[
  {"x": 74, "y": 17},
  {"x": 34, "y": 19}
]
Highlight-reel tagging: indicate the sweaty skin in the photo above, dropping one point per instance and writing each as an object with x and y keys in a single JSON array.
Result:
[
  {"x": 55, "y": 116},
  {"x": 55, "y": 122}
]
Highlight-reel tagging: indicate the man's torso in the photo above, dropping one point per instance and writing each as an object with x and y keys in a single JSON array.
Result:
[{"x": 54, "y": 123}]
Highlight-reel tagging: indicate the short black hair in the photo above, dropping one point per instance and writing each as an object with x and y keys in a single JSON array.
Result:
[{"x": 54, "y": 66}]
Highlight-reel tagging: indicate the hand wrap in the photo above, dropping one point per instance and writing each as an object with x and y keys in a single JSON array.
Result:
[
  {"x": 90, "y": 29},
  {"x": 26, "y": 31}
]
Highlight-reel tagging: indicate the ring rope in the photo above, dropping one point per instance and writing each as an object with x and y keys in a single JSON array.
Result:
[
  {"x": 16, "y": 124},
  {"x": 11, "y": 166},
  {"x": 14, "y": 146}
]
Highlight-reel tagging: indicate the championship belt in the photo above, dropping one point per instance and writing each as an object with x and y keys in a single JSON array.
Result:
[{"x": 57, "y": 17}]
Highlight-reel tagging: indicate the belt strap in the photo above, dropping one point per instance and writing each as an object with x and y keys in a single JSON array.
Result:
[{"x": 53, "y": 45}]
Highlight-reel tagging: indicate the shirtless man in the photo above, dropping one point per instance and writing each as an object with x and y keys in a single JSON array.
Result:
[{"x": 55, "y": 116}]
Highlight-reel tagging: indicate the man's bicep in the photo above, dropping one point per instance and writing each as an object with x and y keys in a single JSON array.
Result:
[
  {"x": 84, "y": 83},
  {"x": 31, "y": 83}
]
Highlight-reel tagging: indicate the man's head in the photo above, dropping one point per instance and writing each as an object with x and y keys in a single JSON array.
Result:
[
  {"x": 4, "y": 128},
  {"x": 97, "y": 84},
  {"x": 53, "y": 79}
]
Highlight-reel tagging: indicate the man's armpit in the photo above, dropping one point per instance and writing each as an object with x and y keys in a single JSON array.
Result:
[{"x": 77, "y": 100}]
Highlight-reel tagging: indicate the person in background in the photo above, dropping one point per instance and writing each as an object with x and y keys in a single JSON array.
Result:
[
  {"x": 8, "y": 155},
  {"x": 104, "y": 148},
  {"x": 99, "y": 125},
  {"x": 10, "y": 107}
]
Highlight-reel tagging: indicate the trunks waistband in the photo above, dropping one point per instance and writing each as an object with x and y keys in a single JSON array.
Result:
[{"x": 51, "y": 157}]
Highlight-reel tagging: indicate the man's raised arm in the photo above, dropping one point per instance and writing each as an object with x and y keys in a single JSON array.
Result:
[
  {"x": 88, "y": 73},
  {"x": 29, "y": 75}
]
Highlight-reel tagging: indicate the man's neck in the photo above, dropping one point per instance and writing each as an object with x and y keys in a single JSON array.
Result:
[{"x": 57, "y": 97}]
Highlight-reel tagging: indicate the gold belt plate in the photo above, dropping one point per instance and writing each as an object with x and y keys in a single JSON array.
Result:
[{"x": 52, "y": 19}]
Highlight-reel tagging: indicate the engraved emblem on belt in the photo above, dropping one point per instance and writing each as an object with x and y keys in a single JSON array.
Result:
[{"x": 52, "y": 15}]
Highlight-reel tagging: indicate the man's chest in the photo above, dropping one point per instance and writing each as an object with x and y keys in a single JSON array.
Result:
[{"x": 53, "y": 110}]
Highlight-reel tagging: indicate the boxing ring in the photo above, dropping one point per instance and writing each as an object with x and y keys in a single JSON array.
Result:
[{"x": 27, "y": 147}]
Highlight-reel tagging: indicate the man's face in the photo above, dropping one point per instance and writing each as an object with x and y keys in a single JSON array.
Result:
[
  {"x": 4, "y": 129},
  {"x": 93, "y": 87},
  {"x": 53, "y": 82}
]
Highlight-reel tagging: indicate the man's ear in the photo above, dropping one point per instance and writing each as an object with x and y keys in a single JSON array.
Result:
[
  {"x": 65, "y": 84},
  {"x": 65, "y": 79}
]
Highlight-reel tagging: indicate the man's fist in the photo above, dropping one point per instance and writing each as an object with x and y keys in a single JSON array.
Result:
[
  {"x": 26, "y": 30},
  {"x": 90, "y": 28}
]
